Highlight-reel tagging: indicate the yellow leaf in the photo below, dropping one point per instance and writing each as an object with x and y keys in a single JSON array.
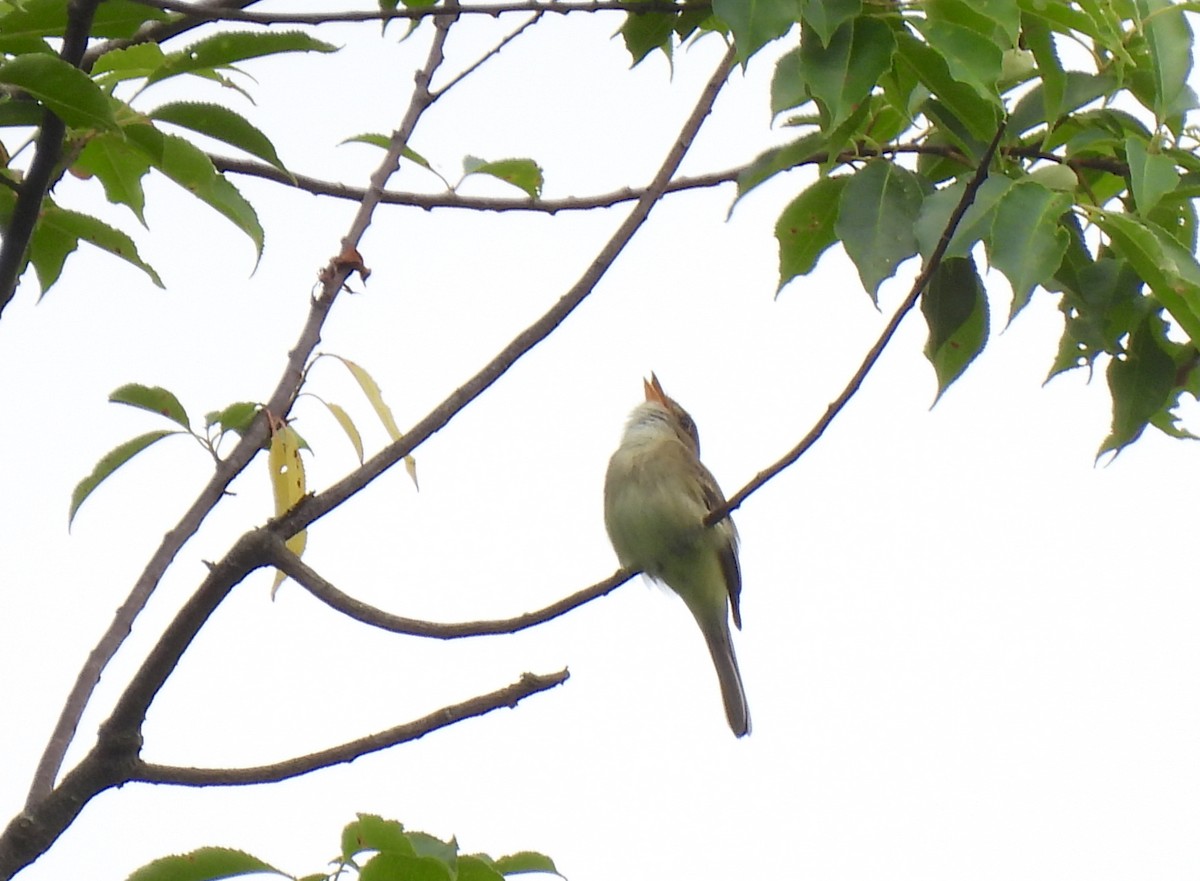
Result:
[{"x": 287, "y": 485}]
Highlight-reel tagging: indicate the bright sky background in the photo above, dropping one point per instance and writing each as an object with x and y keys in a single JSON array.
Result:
[{"x": 969, "y": 651}]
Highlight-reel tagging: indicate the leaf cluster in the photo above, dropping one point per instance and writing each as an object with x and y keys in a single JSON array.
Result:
[{"x": 1092, "y": 199}]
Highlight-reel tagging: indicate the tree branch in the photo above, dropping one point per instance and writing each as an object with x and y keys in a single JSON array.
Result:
[
  {"x": 246, "y": 449},
  {"x": 509, "y": 696},
  {"x": 876, "y": 350},
  {"x": 46, "y": 155},
  {"x": 197, "y": 12},
  {"x": 281, "y": 558},
  {"x": 429, "y": 201}
]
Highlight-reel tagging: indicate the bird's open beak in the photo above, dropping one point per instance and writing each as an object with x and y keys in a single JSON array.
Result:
[{"x": 654, "y": 391}]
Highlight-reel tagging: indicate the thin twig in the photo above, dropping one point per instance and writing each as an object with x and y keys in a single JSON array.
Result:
[
  {"x": 509, "y": 696},
  {"x": 195, "y": 11},
  {"x": 876, "y": 350},
  {"x": 496, "y": 50},
  {"x": 284, "y": 560},
  {"x": 429, "y": 201}
]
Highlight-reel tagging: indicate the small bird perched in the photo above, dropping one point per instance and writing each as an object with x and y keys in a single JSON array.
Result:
[{"x": 656, "y": 496}]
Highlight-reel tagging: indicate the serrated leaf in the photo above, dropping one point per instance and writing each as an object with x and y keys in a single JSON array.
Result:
[
  {"x": 1171, "y": 273},
  {"x": 1049, "y": 67},
  {"x": 1151, "y": 175},
  {"x": 288, "y": 485},
  {"x": 525, "y": 861},
  {"x": 126, "y": 63},
  {"x": 841, "y": 75},
  {"x": 83, "y": 227},
  {"x": 956, "y": 312},
  {"x": 236, "y": 417},
  {"x": 109, "y": 463},
  {"x": 119, "y": 168},
  {"x": 1027, "y": 243},
  {"x": 643, "y": 32},
  {"x": 224, "y": 49},
  {"x": 805, "y": 229},
  {"x": 975, "y": 224},
  {"x": 48, "y": 18},
  {"x": 754, "y": 23},
  {"x": 204, "y": 864},
  {"x": 878, "y": 209},
  {"x": 189, "y": 167},
  {"x": 1141, "y": 383},
  {"x": 154, "y": 398},
  {"x": 372, "y": 832},
  {"x": 826, "y": 16},
  {"x": 970, "y": 57},
  {"x": 222, "y": 124},
  {"x": 1169, "y": 38},
  {"x": 979, "y": 115},
  {"x": 776, "y": 160},
  {"x": 65, "y": 90},
  {"x": 524, "y": 174}
]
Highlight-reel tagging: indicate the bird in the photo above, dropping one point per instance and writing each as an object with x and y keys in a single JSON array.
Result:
[{"x": 657, "y": 495}]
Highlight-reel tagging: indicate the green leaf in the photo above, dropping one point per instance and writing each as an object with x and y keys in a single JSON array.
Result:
[
  {"x": 95, "y": 232},
  {"x": 187, "y": 165},
  {"x": 524, "y": 174},
  {"x": 130, "y": 62},
  {"x": 224, "y": 49},
  {"x": 1100, "y": 308},
  {"x": 1050, "y": 70},
  {"x": 980, "y": 116},
  {"x": 1141, "y": 382},
  {"x": 955, "y": 309},
  {"x": 48, "y": 18},
  {"x": 119, "y": 167},
  {"x": 477, "y": 868},
  {"x": 975, "y": 224},
  {"x": 222, "y": 124},
  {"x": 1027, "y": 243},
  {"x": 154, "y": 398},
  {"x": 970, "y": 57},
  {"x": 20, "y": 113},
  {"x": 205, "y": 864},
  {"x": 805, "y": 229},
  {"x": 104, "y": 468},
  {"x": 645, "y": 32},
  {"x": 525, "y": 861},
  {"x": 788, "y": 86},
  {"x": 1169, "y": 38},
  {"x": 393, "y": 867},
  {"x": 776, "y": 160},
  {"x": 65, "y": 90},
  {"x": 826, "y": 16},
  {"x": 842, "y": 75},
  {"x": 236, "y": 417},
  {"x": 371, "y": 832},
  {"x": 754, "y": 23},
  {"x": 1152, "y": 175},
  {"x": 1170, "y": 272},
  {"x": 879, "y": 207}
]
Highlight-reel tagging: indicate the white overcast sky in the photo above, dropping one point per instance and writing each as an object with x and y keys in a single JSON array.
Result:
[{"x": 969, "y": 651}]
